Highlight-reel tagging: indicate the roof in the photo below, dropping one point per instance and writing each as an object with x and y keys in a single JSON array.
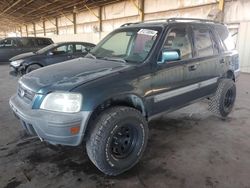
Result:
[{"x": 14, "y": 13}]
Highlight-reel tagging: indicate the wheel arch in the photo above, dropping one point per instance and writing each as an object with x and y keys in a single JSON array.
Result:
[
  {"x": 230, "y": 75},
  {"x": 32, "y": 63},
  {"x": 129, "y": 100}
]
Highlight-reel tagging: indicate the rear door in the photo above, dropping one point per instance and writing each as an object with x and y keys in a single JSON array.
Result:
[
  {"x": 59, "y": 54},
  {"x": 28, "y": 44},
  {"x": 168, "y": 82},
  {"x": 200, "y": 73}
]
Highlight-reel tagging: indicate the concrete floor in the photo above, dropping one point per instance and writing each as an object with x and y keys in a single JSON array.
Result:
[{"x": 187, "y": 148}]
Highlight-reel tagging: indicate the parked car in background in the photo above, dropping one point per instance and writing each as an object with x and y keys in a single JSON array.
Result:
[
  {"x": 54, "y": 53},
  {"x": 10, "y": 47}
]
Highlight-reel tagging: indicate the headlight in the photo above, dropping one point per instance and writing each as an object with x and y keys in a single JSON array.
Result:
[
  {"x": 16, "y": 63},
  {"x": 62, "y": 102}
]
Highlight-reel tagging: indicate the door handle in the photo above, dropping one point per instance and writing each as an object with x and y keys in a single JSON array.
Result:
[
  {"x": 193, "y": 67},
  {"x": 222, "y": 61}
]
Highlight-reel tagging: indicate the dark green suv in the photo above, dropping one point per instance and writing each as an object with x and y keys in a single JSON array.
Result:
[{"x": 137, "y": 72}]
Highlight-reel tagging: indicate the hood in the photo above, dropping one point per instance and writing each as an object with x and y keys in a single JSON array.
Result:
[
  {"x": 21, "y": 56},
  {"x": 70, "y": 74}
]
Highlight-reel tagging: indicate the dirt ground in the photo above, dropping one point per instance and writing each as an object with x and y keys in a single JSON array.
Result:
[{"x": 187, "y": 148}]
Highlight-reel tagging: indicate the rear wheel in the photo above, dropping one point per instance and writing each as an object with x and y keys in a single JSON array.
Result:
[
  {"x": 222, "y": 102},
  {"x": 32, "y": 67},
  {"x": 117, "y": 140}
]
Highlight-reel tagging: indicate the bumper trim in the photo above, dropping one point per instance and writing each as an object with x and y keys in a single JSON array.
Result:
[{"x": 52, "y": 127}]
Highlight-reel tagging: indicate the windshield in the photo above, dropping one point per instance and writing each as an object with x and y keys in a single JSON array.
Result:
[
  {"x": 47, "y": 48},
  {"x": 131, "y": 45}
]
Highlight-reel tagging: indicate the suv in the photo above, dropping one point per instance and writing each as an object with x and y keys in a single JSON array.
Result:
[
  {"x": 10, "y": 47},
  {"x": 135, "y": 73}
]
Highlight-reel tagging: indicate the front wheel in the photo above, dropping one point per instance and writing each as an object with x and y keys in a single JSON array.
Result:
[
  {"x": 117, "y": 140},
  {"x": 32, "y": 67}
]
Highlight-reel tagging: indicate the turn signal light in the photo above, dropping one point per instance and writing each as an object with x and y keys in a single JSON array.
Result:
[{"x": 75, "y": 130}]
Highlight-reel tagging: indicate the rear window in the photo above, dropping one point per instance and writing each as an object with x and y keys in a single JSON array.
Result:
[
  {"x": 229, "y": 43},
  {"x": 43, "y": 42},
  {"x": 225, "y": 37}
]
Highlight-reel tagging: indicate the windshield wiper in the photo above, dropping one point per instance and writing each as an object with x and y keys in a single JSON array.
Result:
[
  {"x": 114, "y": 59},
  {"x": 91, "y": 55}
]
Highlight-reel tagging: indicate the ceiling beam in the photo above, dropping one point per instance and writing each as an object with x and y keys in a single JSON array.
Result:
[{"x": 14, "y": 4}]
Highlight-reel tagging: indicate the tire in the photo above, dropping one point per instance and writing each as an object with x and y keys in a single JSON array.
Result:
[
  {"x": 222, "y": 102},
  {"x": 117, "y": 140},
  {"x": 31, "y": 68}
]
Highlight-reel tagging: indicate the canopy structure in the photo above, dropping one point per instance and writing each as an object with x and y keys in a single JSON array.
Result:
[{"x": 15, "y": 13}]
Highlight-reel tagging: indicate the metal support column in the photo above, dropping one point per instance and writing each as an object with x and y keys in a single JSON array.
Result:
[
  {"x": 27, "y": 32},
  {"x": 21, "y": 32},
  {"x": 222, "y": 7},
  {"x": 34, "y": 29},
  {"x": 74, "y": 22},
  {"x": 140, "y": 8},
  {"x": 44, "y": 28},
  {"x": 100, "y": 19},
  {"x": 57, "y": 29}
]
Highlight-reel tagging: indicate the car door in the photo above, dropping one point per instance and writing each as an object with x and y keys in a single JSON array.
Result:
[
  {"x": 28, "y": 44},
  {"x": 168, "y": 82},
  {"x": 59, "y": 54},
  {"x": 79, "y": 50},
  {"x": 200, "y": 73},
  {"x": 8, "y": 49}
]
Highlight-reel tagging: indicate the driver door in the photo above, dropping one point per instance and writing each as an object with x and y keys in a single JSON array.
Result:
[
  {"x": 168, "y": 82},
  {"x": 60, "y": 54}
]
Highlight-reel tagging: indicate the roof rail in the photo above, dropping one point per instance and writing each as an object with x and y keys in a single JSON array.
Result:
[
  {"x": 192, "y": 19},
  {"x": 169, "y": 20},
  {"x": 145, "y": 21}
]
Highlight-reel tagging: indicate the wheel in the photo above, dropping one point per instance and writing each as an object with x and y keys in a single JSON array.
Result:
[
  {"x": 32, "y": 67},
  {"x": 117, "y": 140},
  {"x": 223, "y": 101}
]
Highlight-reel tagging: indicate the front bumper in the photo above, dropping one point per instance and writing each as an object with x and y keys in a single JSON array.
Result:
[
  {"x": 13, "y": 71},
  {"x": 52, "y": 127}
]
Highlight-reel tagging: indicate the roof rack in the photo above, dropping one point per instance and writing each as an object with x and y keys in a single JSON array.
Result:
[
  {"x": 170, "y": 20},
  {"x": 192, "y": 19}
]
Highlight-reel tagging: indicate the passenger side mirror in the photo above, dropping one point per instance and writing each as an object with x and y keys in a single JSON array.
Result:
[{"x": 169, "y": 55}]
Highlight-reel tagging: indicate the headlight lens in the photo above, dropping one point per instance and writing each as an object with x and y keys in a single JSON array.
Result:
[
  {"x": 62, "y": 102},
  {"x": 16, "y": 63}
]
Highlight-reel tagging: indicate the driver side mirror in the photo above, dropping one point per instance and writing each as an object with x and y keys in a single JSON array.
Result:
[{"x": 170, "y": 55}]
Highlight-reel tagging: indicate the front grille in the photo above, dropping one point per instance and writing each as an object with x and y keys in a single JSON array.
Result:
[{"x": 25, "y": 94}]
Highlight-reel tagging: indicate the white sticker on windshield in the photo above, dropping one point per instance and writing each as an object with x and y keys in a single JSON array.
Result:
[{"x": 147, "y": 32}]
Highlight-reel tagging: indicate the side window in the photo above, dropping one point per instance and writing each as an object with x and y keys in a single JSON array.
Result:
[
  {"x": 178, "y": 39},
  {"x": 80, "y": 48},
  {"x": 43, "y": 42},
  {"x": 8, "y": 43},
  {"x": 204, "y": 43},
  {"x": 64, "y": 49},
  {"x": 70, "y": 49},
  {"x": 27, "y": 42},
  {"x": 60, "y": 50}
]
